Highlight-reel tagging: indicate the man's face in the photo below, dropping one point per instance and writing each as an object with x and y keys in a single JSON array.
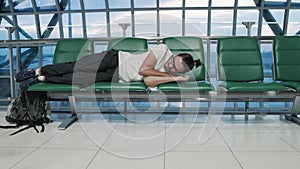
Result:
[{"x": 175, "y": 65}]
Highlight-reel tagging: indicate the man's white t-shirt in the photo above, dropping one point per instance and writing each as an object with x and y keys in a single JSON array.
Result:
[{"x": 129, "y": 64}]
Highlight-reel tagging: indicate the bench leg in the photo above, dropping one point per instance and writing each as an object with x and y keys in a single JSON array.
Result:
[
  {"x": 66, "y": 123},
  {"x": 294, "y": 115},
  {"x": 246, "y": 111}
]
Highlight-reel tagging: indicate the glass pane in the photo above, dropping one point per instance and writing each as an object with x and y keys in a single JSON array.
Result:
[
  {"x": 144, "y": 3},
  {"x": 6, "y": 4},
  {"x": 72, "y": 25},
  {"x": 266, "y": 52},
  {"x": 246, "y": 3},
  {"x": 170, "y": 23},
  {"x": 275, "y": 0},
  {"x": 168, "y": 3},
  {"x": 98, "y": 4},
  {"x": 73, "y": 5},
  {"x": 196, "y": 3},
  {"x": 41, "y": 3},
  {"x": 23, "y": 4},
  {"x": 196, "y": 23},
  {"x": 246, "y": 16},
  {"x": 3, "y": 31},
  {"x": 266, "y": 30},
  {"x": 44, "y": 21},
  {"x": 34, "y": 59},
  {"x": 4, "y": 56},
  {"x": 220, "y": 3},
  {"x": 278, "y": 16},
  {"x": 48, "y": 52},
  {"x": 146, "y": 23},
  {"x": 213, "y": 58},
  {"x": 119, "y": 4},
  {"x": 294, "y": 23},
  {"x": 27, "y": 24},
  {"x": 96, "y": 25},
  {"x": 221, "y": 22},
  {"x": 119, "y": 18}
]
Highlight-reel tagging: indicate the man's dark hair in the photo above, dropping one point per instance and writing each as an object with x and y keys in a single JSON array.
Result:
[{"x": 189, "y": 61}]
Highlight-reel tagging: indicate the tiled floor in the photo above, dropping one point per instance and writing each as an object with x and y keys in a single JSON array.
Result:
[{"x": 111, "y": 143}]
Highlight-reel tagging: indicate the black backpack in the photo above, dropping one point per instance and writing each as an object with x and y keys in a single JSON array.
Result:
[{"x": 30, "y": 109}]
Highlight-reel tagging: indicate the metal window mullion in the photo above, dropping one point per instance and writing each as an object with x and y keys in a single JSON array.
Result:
[
  {"x": 84, "y": 30},
  {"x": 82, "y": 7},
  {"x": 132, "y": 18},
  {"x": 209, "y": 18},
  {"x": 260, "y": 18},
  {"x": 183, "y": 18},
  {"x": 107, "y": 18},
  {"x": 59, "y": 14},
  {"x": 158, "y": 18},
  {"x": 70, "y": 23},
  {"x": 286, "y": 17},
  {"x": 234, "y": 18},
  {"x": 15, "y": 21},
  {"x": 37, "y": 19}
]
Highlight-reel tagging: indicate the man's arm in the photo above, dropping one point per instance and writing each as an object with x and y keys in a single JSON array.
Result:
[
  {"x": 152, "y": 81},
  {"x": 147, "y": 68}
]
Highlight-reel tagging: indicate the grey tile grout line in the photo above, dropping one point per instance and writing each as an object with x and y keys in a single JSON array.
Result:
[
  {"x": 235, "y": 157},
  {"x": 100, "y": 147},
  {"x": 35, "y": 149},
  {"x": 284, "y": 140}
]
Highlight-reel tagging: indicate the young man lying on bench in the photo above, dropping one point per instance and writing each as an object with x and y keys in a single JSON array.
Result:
[{"x": 156, "y": 66}]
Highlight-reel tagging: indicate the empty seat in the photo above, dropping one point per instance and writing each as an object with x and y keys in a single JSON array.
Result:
[
  {"x": 240, "y": 66},
  {"x": 286, "y": 55}
]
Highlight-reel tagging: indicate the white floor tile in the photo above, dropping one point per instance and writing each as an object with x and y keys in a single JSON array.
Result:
[
  {"x": 251, "y": 141},
  {"x": 268, "y": 160},
  {"x": 283, "y": 127},
  {"x": 199, "y": 160},
  {"x": 242, "y": 127},
  {"x": 183, "y": 137},
  {"x": 128, "y": 160},
  {"x": 83, "y": 135},
  {"x": 57, "y": 158},
  {"x": 71, "y": 140},
  {"x": 9, "y": 156},
  {"x": 27, "y": 138},
  {"x": 140, "y": 137},
  {"x": 292, "y": 138}
]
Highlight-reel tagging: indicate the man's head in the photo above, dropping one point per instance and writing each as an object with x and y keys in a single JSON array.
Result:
[{"x": 181, "y": 63}]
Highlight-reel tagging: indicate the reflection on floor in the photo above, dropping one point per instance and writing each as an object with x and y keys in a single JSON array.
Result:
[{"x": 155, "y": 142}]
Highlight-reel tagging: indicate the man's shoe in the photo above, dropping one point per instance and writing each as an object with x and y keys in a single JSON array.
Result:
[
  {"x": 26, "y": 84},
  {"x": 25, "y": 75}
]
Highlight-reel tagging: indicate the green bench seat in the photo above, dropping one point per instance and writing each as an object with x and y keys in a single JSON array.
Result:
[
  {"x": 239, "y": 65},
  {"x": 286, "y": 51},
  {"x": 252, "y": 87},
  {"x": 186, "y": 86},
  {"x": 67, "y": 50},
  {"x": 131, "y": 45},
  {"x": 51, "y": 87},
  {"x": 111, "y": 86}
]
